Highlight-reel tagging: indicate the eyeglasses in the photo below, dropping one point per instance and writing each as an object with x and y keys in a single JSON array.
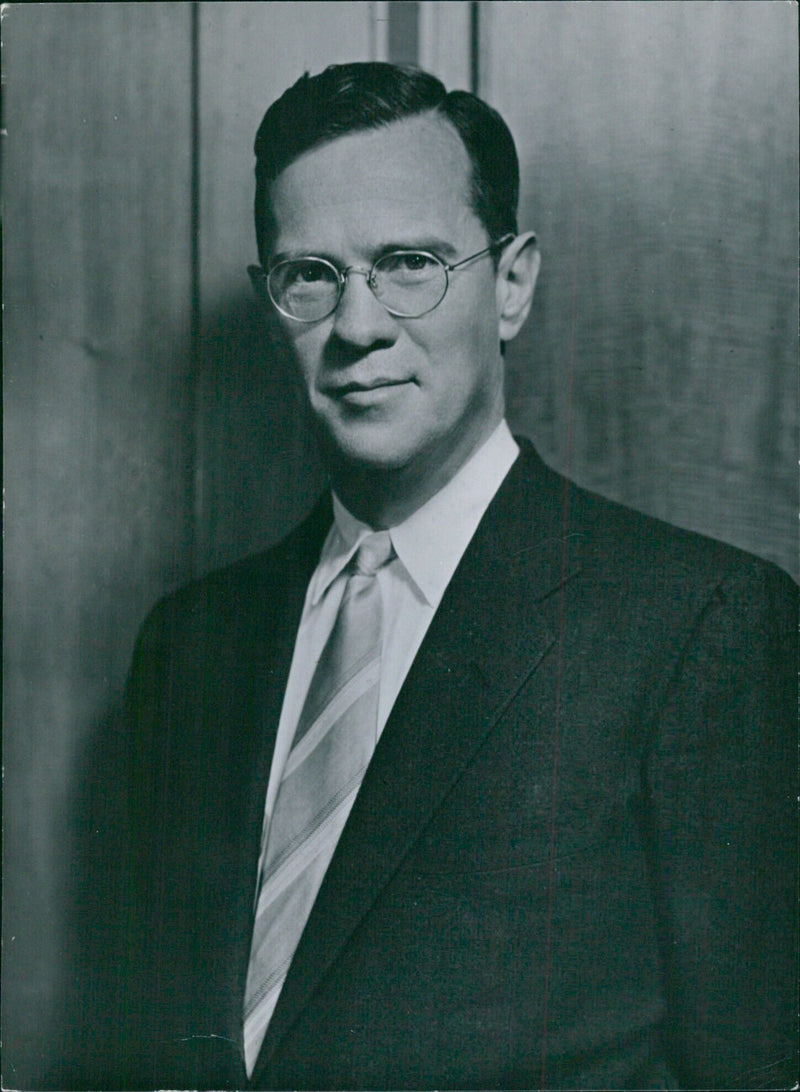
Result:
[{"x": 409, "y": 283}]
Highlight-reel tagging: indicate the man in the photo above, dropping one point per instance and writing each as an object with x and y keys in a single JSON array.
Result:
[{"x": 476, "y": 780}]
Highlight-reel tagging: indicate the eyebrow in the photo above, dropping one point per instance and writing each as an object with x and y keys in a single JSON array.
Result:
[{"x": 431, "y": 243}]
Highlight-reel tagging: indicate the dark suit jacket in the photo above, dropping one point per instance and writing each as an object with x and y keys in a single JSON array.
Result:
[{"x": 570, "y": 864}]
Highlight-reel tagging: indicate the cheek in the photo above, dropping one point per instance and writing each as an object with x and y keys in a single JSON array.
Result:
[
  {"x": 306, "y": 350},
  {"x": 476, "y": 319},
  {"x": 466, "y": 346}
]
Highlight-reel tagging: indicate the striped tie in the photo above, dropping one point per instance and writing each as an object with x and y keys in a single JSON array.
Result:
[{"x": 332, "y": 747}]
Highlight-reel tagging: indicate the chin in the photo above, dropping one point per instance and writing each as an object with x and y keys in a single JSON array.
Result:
[{"x": 362, "y": 452}]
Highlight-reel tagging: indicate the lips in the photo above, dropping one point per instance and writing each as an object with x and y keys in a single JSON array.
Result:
[
  {"x": 371, "y": 384},
  {"x": 355, "y": 388}
]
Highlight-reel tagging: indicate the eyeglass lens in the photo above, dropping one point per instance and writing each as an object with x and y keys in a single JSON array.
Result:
[{"x": 407, "y": 283}]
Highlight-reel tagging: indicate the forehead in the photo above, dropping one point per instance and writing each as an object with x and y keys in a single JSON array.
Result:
[{"x": 401, "y": 183}]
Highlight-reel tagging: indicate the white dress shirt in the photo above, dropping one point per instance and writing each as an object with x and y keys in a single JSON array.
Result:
[{"x": 429, "y": 545}]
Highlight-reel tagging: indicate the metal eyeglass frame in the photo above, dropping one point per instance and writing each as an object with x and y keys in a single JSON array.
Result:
[{"x": 260, "y": 278}]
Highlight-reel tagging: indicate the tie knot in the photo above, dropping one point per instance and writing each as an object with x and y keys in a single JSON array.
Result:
[{"x": 374, "y": 551}]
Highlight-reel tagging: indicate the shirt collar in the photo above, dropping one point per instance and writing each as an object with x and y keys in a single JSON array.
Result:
[{"x": 432, "y": 540}]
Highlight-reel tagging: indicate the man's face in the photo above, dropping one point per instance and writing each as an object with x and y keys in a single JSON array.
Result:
[{"x": 412, "y": 395}]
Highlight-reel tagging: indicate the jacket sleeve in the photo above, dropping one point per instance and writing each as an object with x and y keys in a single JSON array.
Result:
[{"x": 721, "y": 784}]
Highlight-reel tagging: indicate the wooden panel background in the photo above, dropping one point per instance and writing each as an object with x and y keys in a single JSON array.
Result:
[
  {"x": 151, "y": 432},
  {"x": 98, "y": 422},
  {"x": 658, "y": 145},
  {"x": 128, "y": 178}
]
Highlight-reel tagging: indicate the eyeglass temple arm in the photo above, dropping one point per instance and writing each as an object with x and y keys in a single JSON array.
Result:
[{"x": 504, "y": 240}]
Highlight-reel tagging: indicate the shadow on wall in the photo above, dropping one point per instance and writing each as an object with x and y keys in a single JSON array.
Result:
[
  {"x": 258, "y": 465},
  {"x": 256, "y": 473}
]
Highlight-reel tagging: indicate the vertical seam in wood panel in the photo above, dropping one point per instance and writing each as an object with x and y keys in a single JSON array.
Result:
[
  {"x": 378, "y": 30},
  {"x": 403, "y": 31},
  {"x": 196, "y": 478},
  {"x": 474, "y": 46}
]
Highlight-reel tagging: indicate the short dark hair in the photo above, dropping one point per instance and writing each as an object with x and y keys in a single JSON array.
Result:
[{"x": 347, "y": 98}]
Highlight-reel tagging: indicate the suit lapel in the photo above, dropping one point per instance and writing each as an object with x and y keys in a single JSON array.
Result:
[{"x": 486, "y": 638}]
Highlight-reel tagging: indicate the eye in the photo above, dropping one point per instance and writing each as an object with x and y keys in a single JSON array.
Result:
[
  {"x": 406, "y": 265},
  {"x": 310, "y": 272},
  {"x": 414, "y": 262},
  {"x": 302, "y": 275}
]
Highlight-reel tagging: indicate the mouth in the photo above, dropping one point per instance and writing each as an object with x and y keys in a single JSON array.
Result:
[{"x": 365, "y": 392}]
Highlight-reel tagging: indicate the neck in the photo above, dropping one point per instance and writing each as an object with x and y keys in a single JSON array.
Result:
[{"x": 381, "y": 499}]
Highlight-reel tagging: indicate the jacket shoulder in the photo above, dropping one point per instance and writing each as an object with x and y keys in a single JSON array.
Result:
[
  {"x": 251, "y": 585},
  {"x": 625, "y": 540},
  {"x": 629, "y": 557}
]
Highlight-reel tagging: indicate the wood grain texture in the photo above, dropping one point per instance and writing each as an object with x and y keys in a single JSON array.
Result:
[
  {"x": 257, "y": 465},
  {"x": 658, "y": 146},
  {"x": 98, "y": 421},
  {"x": 444, "y": 41}
]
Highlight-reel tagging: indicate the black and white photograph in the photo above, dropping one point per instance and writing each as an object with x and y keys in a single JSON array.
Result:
[{"x": 400, "y": 545}]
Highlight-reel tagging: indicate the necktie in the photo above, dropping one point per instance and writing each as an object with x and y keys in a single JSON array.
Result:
[{"x": 333, "y": 744}]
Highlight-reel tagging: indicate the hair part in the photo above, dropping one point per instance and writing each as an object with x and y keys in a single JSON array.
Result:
[{"x": 350, "y": 98}]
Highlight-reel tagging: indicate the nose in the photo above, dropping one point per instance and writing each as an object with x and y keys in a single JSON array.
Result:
[{"x": 360, "y": 318}]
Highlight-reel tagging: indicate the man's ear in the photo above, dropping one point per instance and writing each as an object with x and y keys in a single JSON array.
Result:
[{"x": 517, "y": 271}]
